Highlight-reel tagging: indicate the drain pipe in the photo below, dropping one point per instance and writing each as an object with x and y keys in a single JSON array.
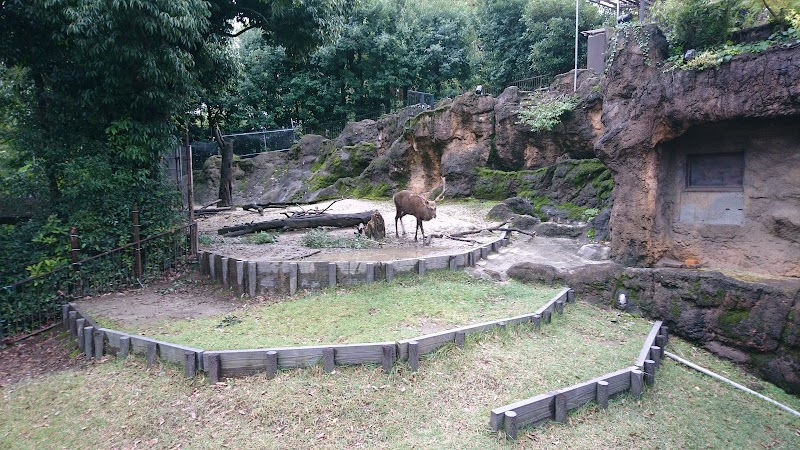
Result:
[{"x": 732, "y": 383}]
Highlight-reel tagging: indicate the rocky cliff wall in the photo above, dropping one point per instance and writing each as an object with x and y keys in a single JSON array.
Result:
[{"x": 753, "y": 101}]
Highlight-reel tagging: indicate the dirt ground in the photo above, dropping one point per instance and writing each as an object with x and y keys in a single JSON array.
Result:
[{"x": 450, "y": 218}]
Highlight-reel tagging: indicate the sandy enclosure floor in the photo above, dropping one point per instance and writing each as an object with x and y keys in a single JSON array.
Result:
[{"x": 450, "y": 218}]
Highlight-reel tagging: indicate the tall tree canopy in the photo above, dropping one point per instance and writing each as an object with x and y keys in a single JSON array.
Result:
[{"x": 105, "y": 85}]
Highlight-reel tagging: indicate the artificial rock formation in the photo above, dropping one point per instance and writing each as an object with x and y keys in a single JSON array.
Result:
[{"x": 655, "y": 119}]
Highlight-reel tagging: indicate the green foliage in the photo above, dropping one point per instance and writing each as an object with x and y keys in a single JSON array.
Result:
[
  {"x": 317, "y": 238},
  {"x": 551, "y": 33},
  {"x": 545, "y": 113},
  {"x": 262, "y": 237},
  {"x": 714, "y": 57},
  {"x": 53, "y": 236},
  {"x": 700, "y": 24}
]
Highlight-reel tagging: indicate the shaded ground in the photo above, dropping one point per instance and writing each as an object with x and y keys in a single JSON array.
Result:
[
  {"x": 186, "y": 296},
  {"x": 44, "y": 353}
]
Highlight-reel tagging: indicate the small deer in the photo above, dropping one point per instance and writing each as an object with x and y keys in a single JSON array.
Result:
[
  {"x": 417, "y": 205},
  {"x": 375, "y": 228}
]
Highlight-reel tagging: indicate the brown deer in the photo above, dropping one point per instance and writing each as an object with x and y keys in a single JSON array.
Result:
[
  {"x": 417, "y": 205},
  {"x": 375, "y": 228}
]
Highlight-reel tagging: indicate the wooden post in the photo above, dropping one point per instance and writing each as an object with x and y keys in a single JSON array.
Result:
[
  {"x": 387, "y": 361},
  {"x": 370, "y": 272},
  {"x": 636, "y": 383},
  {"x": 661, "y": 340},
  {"x": 560, "y": 307},
  {"x": 649, "y": 372},
  {"x": 501, "y": 326},
  {"x": 73, "y": 323},
  {"x": 460, "y": 337},
  {"x": 240, "y": 288},
  {"x": 331, "y": 274},
  {"x": 223, "y": 272},
  {"x": 252, "y": 278},
  {"x": 413, "y": 355},
  {"x": 80, "y": 324},
  {"x": 537, "y": 321},
  {"x": 152, "y": 351},
  {"x": 655, "y": 355},
  {"x": 75, "y": 247},
  {"x": 422, "y": 267},
  {"x": 272, "y": 364},
  {"x": 546, "y": 316},
  {"x": 602, "y": 394},
  {"x": 99, "y": 343},
  {"x": 137, "y": 249},
  {"x": 293, "y": 272},
  {"x": 328, "y": 361},
  {"x": 88, "y": 341},
  {"x": 389, "y": 272},
  {"x": 561, "y": 408},
  {"x": 190, "y": 195},
  {"x": 124, "y": 347},
  {"x": 665, "y": 332},
  {"x": 214, "y": 368},
  {"x": 453, "y": 263},
  {"x": 510, "y": 424},
  {"x": 570, "y": 296},
  {"x": 189, "y": 364},
  {"x": 484, "y": 252},
  {"x": 65, "y": 316}
]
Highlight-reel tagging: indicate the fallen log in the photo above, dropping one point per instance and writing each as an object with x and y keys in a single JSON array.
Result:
[
  {"x": 206, "y": 212},
  {"x": 313, "y": 221}
]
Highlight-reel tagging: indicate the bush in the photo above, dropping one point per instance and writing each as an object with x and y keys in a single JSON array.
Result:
[
  {"x": 318, "y": 238},
  {"x": 262, "y": 237},
  {"x": 545, "y": 114}
]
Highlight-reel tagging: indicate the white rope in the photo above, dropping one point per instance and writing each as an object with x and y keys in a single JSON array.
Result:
[{"x": 732, "y": 383}]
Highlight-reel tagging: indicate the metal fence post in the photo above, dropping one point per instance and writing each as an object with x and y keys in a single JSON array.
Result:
[
  {"x": 137, "y": 248},
  {"x": 75, "y": 245}
]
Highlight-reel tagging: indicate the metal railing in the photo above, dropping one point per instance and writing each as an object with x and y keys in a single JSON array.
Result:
[{"x": 31, "y": 303}]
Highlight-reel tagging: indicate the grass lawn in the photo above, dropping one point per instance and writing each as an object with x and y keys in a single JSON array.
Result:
[
  {"x": 122, "y": 404},
  {"x": 406, "y": 308}
]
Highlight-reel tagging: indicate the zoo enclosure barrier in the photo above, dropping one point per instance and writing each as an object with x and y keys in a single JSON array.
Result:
[
  {"x": 95, "y": 341},
  {"x": 530, "y": 84},
  {"x": 556, "y": 404},
  {"x": 247, "y": 144},
  {"x": 36, "y": 301},
  {"x": 424, "y": 100}
]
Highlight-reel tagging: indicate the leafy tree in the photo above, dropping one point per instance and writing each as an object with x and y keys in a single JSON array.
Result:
[
  {"x": 105, "y": 83},
  {"x": 551, "y": 28},
  {"x": 501, "y": 29}
]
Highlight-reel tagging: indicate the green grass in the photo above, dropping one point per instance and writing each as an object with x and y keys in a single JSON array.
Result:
[
  {"x": 445, "y": 405},
  {"x": 408, "y": 307}
]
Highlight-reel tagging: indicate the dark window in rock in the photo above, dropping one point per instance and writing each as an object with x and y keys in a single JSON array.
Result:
[{"x": 715, "y": 171}]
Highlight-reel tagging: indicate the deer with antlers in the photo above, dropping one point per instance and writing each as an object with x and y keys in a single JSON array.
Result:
[{"x": 410, "y": 203}]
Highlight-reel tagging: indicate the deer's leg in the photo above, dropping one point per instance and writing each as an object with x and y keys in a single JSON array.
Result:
[
  {"x": 419, "y": 225},
  {"x": 399, "y": 217}
]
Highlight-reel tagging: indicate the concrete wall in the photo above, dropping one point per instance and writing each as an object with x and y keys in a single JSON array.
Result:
[{"x": 755, "y": 228}]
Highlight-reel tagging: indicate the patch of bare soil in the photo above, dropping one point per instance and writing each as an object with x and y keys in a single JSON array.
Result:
[
  {"x": 44, "y": 353},
  {"x": 186, "y": 296},
  {"x": 451, "y": 218}
]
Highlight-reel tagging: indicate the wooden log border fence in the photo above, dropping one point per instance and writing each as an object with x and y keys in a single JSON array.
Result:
[
  {"x": 96, "y": 341},
  {"x": 253, "y": 277},
  {"x": 555, "y": 405}
]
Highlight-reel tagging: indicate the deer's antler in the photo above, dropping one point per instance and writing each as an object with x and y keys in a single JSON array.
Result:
[{"x": 441, "y": 194}]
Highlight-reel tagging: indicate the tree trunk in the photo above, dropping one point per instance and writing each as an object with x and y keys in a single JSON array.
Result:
[
  {"x": 310, "y": 221},
  {"x": 226, "y": 169}
]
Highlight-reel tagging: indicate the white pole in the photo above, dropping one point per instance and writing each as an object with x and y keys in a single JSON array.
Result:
[
  {"x": 732, "y": 383},
  {"x": 575, "y": 78}
]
